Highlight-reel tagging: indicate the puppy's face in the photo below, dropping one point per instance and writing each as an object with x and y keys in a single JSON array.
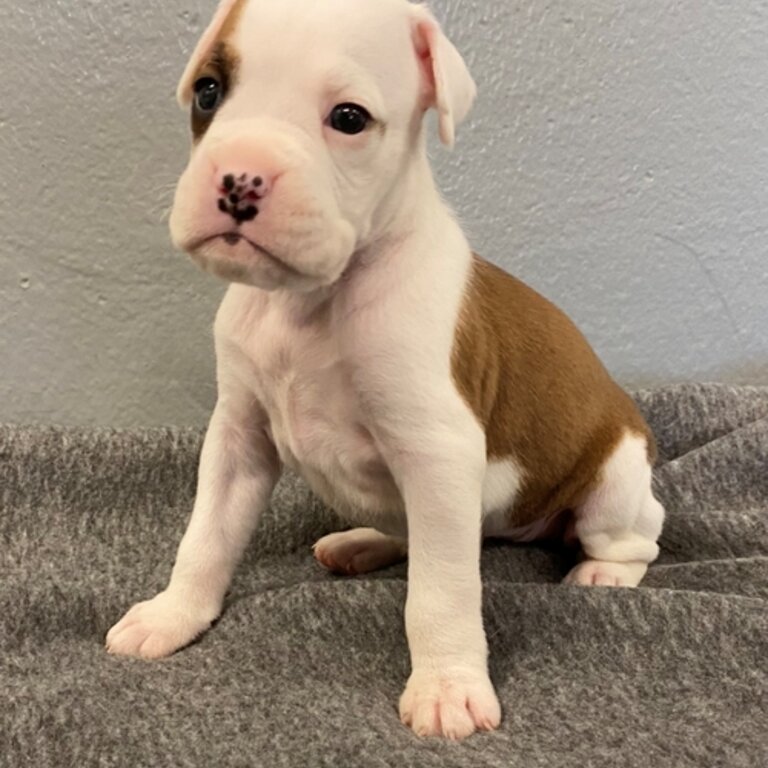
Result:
[{"x": 306, "y": 117}]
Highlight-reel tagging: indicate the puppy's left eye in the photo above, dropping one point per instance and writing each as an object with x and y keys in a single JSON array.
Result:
[{"x": 350, "y": 118}]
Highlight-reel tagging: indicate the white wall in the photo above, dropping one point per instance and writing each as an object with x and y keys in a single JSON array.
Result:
[{"x": 617, "y": 161}]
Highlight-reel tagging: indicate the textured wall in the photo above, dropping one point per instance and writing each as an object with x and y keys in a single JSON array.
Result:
[{"x": 617, "y": 161}]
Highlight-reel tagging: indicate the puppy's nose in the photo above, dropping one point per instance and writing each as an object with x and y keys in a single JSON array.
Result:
[{"x": 239, "y": 195}]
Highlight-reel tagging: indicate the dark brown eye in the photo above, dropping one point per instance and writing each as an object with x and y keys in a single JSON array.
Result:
[
  {"x": 350, "y": 118},
  {"x": 208, "y": 96}
]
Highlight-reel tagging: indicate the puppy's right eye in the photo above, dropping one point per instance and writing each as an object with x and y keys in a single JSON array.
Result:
[
  {"x": 208, "y": 96},
  {"x": 350, "y": 118}
]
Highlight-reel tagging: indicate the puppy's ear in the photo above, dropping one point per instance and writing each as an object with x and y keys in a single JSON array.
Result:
[
  {"x": 449, "y": 87},
  {"x": 204, "y": 48}
]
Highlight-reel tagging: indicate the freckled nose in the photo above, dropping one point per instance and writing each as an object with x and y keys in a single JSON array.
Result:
[{"x": 240, "y": 193}]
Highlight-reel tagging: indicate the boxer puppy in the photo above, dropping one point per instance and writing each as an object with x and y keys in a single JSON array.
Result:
[{"x": 423, "y": 393}]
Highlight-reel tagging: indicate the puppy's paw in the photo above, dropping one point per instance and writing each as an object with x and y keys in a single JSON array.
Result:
[
  {"x": 453, "y": 704},
  {"x": 602, "y": 573},
  {"x": 359, "y": 551},
  {"x": 157, "y": 628}
]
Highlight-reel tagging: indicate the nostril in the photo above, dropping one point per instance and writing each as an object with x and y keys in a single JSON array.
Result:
[
  {"x": 242, "y": 186},
  {"x": 249, "y": 214}
]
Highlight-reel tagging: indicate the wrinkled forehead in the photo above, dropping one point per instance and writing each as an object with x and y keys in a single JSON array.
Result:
[{"x": 349, "y": 46}]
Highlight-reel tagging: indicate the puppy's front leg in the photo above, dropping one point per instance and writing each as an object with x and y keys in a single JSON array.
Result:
[
  {"x": 238, "y": 471},
  {"x": 449, "y": 692}
]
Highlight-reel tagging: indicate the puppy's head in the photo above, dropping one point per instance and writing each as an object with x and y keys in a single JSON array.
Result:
[{"x": 306, "y": 119}]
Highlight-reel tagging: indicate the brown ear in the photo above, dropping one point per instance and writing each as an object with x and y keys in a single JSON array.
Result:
[
  {"x": 450, "y": 88},
  {"x": 205, "y": 47}
]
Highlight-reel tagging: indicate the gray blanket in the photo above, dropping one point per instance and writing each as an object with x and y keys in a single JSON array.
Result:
[{"x": 305, "y": 669}]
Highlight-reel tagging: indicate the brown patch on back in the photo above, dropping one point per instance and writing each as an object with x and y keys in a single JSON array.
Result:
[{"x": 540, "y": 392}]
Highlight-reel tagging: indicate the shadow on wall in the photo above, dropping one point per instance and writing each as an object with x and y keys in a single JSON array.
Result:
[{"x": 749, "y": 373}]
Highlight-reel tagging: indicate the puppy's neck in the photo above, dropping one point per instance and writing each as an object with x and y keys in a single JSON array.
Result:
[
  {"x": 412, "y": 202},
  {"x": 411, "y": 214}
]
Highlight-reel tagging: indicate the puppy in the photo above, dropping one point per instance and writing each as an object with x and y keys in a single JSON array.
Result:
[{"x": 427, "y": 396}]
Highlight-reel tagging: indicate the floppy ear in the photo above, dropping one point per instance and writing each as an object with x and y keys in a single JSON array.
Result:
[
  {"x": 203, "y": 49},
  {"x": 449, "y": 87}
]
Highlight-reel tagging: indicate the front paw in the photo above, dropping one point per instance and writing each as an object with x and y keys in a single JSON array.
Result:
[
  {"x": 451, "y": 703},
  {"x": 157, "y": 627}
]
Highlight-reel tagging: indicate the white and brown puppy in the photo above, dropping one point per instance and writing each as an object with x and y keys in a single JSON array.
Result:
[{"x": 420, "y": 391}]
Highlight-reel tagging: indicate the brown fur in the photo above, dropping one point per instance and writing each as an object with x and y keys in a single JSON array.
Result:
[
  {"x": 540, "y": 392},
  {"x": 222, "y": 64}
]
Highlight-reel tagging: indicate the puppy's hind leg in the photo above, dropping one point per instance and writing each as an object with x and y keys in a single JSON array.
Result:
[
  {"x": 620, "y": 521},
  {"x": 360, "y": 550}
]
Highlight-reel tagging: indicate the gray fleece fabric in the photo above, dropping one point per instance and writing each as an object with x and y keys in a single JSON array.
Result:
[{"x": 305, "y": 669}]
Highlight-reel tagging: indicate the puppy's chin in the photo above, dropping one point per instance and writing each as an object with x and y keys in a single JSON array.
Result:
[{"x": 239, "y": 260}]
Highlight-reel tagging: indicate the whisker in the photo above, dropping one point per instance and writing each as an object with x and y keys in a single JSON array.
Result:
[{"x": 165, "y": 214}]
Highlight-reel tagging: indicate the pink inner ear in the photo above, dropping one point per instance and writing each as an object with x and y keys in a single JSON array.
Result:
[{"x": 423, "y": 38}]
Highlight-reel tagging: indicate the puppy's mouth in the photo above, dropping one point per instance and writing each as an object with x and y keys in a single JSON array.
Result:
[{"x": 234, "y": 239}]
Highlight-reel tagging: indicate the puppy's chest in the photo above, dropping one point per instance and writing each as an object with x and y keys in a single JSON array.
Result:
[{"x": 315, "y": 417}]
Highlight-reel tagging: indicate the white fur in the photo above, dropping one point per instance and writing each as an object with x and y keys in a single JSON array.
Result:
[
  {"x": 500, "y": 486},
  {"x": 503, "y": 480},
  {"x": 347, "y": 381},
  {"x": 238, "y": 471},
  {"x": 620, "y": 521},
  {"x": 334, "y": 358}
]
